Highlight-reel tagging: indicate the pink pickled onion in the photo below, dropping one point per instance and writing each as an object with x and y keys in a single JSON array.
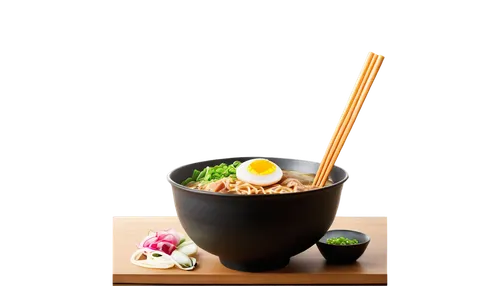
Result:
[
  {"x": 174, "y": 236},
  {"x": 166, "y": 247},
  {"x": 147, "y": 241},
  {"x": 165, "y": 241}
]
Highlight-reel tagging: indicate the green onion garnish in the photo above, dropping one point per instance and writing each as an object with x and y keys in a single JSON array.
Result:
[{"x": 341, "y": 241}]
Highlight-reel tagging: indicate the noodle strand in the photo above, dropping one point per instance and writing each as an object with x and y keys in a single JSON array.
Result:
[{"x": 288, "y": 184}]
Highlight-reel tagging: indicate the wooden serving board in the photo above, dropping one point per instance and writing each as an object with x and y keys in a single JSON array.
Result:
[{"x": 306, "y": 268}]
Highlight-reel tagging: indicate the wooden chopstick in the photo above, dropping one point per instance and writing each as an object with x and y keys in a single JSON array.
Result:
[
  {"x": 337, "y": 132},
  {"x": 332, "y": 145},
  {"x": 329, "y": 164},
  {"x": 344, "y": 119},
  {"x": 359, "y": 104},
  {"x": 346, "y": 123}
]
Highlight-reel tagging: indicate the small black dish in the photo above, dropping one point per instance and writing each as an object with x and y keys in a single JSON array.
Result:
[{"x": 343, "y": 254}]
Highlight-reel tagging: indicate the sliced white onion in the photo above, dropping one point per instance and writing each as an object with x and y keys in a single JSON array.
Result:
[
  {"x": 162, "y": 260},
  {"x": 181, "y": 259},
  {"x": 193, "y": 263},
  {"x": 149, "y": 264},
  {"x": 188, "y": 248}
]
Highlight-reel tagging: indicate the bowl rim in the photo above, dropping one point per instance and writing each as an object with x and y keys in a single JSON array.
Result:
[
  {"x": 184, "y": 188},
  {"x": 347, "y": 230}
]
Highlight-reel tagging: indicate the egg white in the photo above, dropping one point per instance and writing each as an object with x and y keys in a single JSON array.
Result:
[{"x": 244, "y": 175}]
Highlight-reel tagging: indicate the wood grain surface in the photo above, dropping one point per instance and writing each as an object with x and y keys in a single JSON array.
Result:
[{"x": 306, "y": 268}]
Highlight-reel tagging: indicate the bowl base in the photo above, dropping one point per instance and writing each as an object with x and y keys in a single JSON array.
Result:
[
  {"x": 339, "y": 262},
  {"x": 255, "y": 266}
]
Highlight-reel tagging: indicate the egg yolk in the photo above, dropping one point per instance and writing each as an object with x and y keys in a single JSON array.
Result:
[{"x": 261, "y": 167}]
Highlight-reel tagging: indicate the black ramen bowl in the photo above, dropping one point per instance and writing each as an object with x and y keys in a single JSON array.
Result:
[
  {"x": 343, "y": 254},
  {"x": 256, "y": 233}
]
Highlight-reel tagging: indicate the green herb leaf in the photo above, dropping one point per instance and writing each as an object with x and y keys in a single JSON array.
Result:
[
  {"x": 202, "y": 174},
  {"x": 181, "y": 241},
  {"x": 195, "y": 175},
  {"x": 187, "y": 181}
]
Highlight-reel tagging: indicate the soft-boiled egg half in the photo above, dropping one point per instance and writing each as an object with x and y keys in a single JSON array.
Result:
[{"x": 260, "y": 172}]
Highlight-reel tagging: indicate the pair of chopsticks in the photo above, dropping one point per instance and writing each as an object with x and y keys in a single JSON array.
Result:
[{"x": 358, "y": 95}]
